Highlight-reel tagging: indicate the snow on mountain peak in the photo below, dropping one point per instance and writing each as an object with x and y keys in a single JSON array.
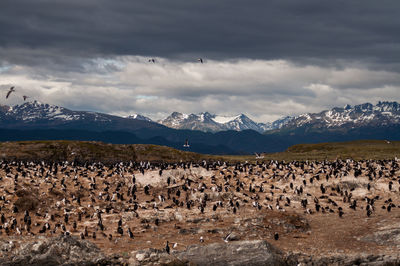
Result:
[
  {"x": 364, "y": 114},
  {"x": 224, "y": 119},
  {"x": 139, "y": 117},
  {"x": 212, "y": 123}
]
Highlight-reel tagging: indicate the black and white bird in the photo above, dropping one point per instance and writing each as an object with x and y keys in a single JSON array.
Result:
[
  {"x": 186, "y": 145},
  {"x": 259, "y": 155},
  {"x": 200, "y": 60},
  {"x": 130, "y": 233},
  {"x": 9, "y": 92},
  {"x": 167, "y": 249}
]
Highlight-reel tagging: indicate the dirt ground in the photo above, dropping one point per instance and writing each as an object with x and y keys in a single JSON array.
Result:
[{"x": 263, "y": 213}]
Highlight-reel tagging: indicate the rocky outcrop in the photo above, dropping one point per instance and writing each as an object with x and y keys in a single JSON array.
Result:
[
  {"x": 62, "y": 250},
  {"x": 233, "y": 253},
  {"x": 385, "y": 236},
  {"x": 153, "y": 256},
  {"x": 249, "y": 253},
  {"x": 69, "y": 250},
  {"x": 343, "y": 260}
]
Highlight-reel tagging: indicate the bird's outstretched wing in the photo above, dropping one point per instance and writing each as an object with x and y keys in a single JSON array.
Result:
[{"x": 9, "y": 92}]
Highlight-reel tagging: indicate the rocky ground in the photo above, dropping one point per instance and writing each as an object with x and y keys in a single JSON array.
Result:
[{"x": 341, "y": 213}]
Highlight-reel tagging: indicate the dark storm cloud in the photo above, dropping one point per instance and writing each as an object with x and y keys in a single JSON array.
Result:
[
  {"x": 262, "y": 58},
  {"x": 294, "y": 30}
]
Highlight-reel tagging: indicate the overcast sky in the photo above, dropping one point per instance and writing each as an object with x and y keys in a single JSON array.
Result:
[{"x": 266, "y": 59}]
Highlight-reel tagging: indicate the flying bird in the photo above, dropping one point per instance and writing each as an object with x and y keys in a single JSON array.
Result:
[
  {"x": 9, "y": 92},
  {"x": 259, "y": 156},
  {"x": 200, "y": 60},
  {"x": 25, "y": 97}
]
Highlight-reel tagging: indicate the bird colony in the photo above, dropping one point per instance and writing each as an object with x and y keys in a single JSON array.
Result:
[{"x": 311, "y": 207}]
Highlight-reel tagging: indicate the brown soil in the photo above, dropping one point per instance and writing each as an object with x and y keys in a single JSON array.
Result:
[{"x": 299, "y": 232}]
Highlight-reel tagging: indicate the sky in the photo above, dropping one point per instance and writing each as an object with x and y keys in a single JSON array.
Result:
[{"x": 266, "y": 59}]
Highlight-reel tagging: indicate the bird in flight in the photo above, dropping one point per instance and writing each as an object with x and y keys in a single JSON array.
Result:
[
  {"x": 200, "y": 60},
  {"x": 9, "y": 92},
  {"x": 25, "y": 97},
  {"x": 259, "y": 155}
]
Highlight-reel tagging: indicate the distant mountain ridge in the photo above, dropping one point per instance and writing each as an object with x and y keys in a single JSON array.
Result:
[
  {"x": 348, "y": 117},
  {"x": 367, "y": 114},
  {"x": 139, "y": 117},
  {"x": 229, "y": 135},
  {"x": 214, "y": 123},
  {"x": 35, "y": 115}
]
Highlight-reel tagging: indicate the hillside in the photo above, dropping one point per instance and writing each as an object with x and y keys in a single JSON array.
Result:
[
  {"x": 92, "y": 152},
  {"x": 109, "y": 153},
  {"x": 357, "y": 150}
]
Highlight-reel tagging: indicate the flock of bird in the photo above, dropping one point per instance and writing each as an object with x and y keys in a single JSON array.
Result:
[
  {"x": 11, "y": 90},
  {"x": 92, "y": 200}
]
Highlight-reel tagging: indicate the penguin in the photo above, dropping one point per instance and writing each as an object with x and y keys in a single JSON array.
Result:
[
  {"x": 167, "y": 249},
  {"x": 130, "y": 233}
]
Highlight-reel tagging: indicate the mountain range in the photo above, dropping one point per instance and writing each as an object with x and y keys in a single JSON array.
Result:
[
  {"x": 207, "y": 133},
  {"x": 213, "y": 123},
  {"x": 383, "y": 113},
  {"x": 367, "y": 114}
]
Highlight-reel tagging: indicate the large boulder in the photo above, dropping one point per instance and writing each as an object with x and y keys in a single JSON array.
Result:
[
  {"x": 250, "y": 253},
  {"x": 62, "y": 250},
  {"x": 344, "y": 260}
]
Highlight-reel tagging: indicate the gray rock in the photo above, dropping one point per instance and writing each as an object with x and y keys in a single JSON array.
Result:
[
  {"x": 389, "y": 236},
  {"x": 232, "y": 237},
  {"x": 248, "y": 253},
  {"x": 345, "y": 260},
  {"x": 6, "y": 246},
  {"x": 62, "y": 250},
  {"x": 153, "y": 257}
]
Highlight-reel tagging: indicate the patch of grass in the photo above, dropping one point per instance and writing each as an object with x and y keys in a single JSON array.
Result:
[{"x": 357, "y": 150}]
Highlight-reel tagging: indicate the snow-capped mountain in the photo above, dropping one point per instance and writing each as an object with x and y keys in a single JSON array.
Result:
[
  {"x": 367, "y": 114},
  {"x": 139, "y": 117},
  {"x": 278, "y": 124},
  {"x": 202, "y": 122},
  {"x": 35, "y": 114},
  {"x": 37, "y": 111},
  {"x": 213, "y": 123}
]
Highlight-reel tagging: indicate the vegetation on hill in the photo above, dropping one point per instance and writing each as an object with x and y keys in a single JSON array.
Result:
[
  {"x": 110, "y": 153},
  {"x": 91, "y": 151}
]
